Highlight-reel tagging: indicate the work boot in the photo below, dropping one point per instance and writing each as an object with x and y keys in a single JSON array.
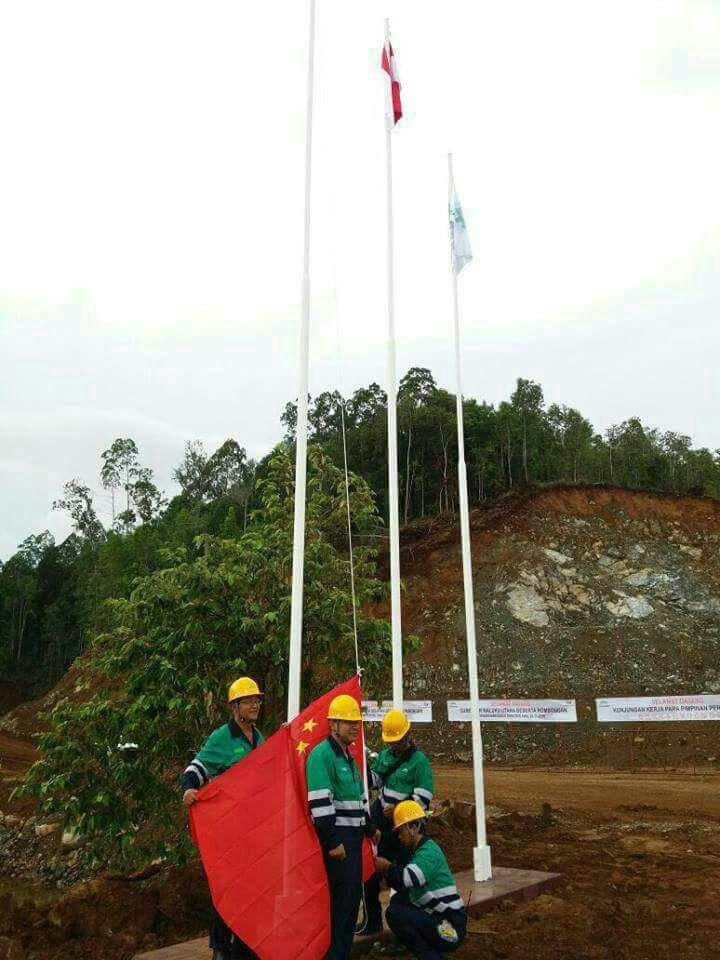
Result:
[
  {"x": 220, "y": 955},
  {"x": 366, "y": 929}
]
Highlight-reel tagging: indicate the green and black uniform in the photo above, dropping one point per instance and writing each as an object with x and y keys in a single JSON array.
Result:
[
  {"x": 336, "y": 795},
  {"x": 426, "y": 914},
  {"x": 408, "y": 776},
  {"x": 405, "y": 777},
  {"x": 222, "y": 749}
]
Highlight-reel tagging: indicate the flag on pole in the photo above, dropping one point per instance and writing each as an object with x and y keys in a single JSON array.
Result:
[
  {"x": 393, "y": 110},
  {"x": 259, "y": 848},
  {"x": 461, "y": 250}
]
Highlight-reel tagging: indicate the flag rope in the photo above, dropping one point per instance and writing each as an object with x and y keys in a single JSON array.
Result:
[{"x": 350, "y": 540}]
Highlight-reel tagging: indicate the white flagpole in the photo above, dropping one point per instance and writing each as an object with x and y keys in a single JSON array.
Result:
[
  {"x": 395, "y": 608},
  {"x": 481, "y": 853},
  {"x": 296, "y": 609}
]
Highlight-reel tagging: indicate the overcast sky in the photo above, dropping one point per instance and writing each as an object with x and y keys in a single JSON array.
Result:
[{"x": 151, "y": 201}]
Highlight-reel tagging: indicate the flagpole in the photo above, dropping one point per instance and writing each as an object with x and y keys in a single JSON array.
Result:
[
  {"x": 481, "y": 853},
  {"x": 296, "y": 608},
  {"x": 393, "y": 509}
]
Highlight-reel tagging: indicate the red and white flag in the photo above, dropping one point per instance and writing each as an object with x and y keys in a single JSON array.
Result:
[{"x": 393, "y": 110}]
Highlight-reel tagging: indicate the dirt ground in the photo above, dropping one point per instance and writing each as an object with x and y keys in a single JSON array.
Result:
[{"x": 639, "y": 853}]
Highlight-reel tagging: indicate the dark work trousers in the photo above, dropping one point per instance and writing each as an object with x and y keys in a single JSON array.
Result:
[
  {"x": 345, "y": 883},
  {"x": 222, "y": 938},
  {"x": 390, "y": 848},
  {"x": 418, "y": 930}
]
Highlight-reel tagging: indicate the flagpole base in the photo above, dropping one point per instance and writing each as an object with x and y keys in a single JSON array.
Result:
[{"x": 482, "y": 867}]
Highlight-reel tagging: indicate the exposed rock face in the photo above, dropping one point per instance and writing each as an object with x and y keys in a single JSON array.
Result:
[
  {"x": 582, "y": 593},
  {"x": 526, "y": 605},
  {"x": 636, "y": 608}
]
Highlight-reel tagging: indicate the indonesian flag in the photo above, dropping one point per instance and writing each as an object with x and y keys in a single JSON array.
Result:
[
  {"x": 393, "y": 110},
  {"x": 259, "y": 848}
]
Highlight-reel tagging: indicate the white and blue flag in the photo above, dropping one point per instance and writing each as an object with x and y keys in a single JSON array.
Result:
[{"x": 461, "y": 250}]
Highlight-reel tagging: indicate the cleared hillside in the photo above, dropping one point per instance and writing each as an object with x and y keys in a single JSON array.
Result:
[{"x": 579, "y": 592}]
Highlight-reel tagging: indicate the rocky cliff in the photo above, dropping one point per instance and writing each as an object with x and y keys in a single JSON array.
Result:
[{"x": 579, "y": 592}]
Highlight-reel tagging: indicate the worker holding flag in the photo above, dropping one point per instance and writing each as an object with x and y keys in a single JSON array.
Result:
[
  {"x": 338, "y": 806},
  {"x": 224, "y": 747}
]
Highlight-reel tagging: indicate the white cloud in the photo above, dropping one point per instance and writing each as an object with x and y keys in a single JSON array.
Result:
[{"x": 151, "y": 232}]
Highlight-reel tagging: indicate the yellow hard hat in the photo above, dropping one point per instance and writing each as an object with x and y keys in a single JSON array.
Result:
[
  {"x": 243, "y": 687},
  {"x": 407, "y": 811},
  {"x": 394, "y": 726},
  {"x": 344, "y": 707}
]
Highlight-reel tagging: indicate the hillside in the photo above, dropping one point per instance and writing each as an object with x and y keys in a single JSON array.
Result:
[{"x": 579, "y": 592}]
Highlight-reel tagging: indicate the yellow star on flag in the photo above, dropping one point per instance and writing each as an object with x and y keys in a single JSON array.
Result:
[
  {"x": 302, "y": 747},
  {"x": 310, "y": 725}
]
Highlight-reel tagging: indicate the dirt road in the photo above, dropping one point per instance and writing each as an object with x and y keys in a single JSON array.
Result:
[{"x": 596, "y": 792}]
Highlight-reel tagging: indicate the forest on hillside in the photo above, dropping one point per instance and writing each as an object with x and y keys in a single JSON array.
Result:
[{"x": 53, "y": 596}]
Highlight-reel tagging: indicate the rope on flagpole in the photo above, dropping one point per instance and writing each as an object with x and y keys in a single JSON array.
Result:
[
  {"x": 343, "y": 433},
  {"x": 350, "y": 540}
]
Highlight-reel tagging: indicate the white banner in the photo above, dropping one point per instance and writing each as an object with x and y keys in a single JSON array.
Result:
[
  {"x": 417, "y": 711},
  {"x": 515, "y": 711},
  {"x": 637, "y": 709},
  {"x": 372, "y": 712}
]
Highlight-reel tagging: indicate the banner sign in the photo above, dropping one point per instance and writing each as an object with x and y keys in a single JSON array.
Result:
[
  {"x": 417, "y": 711},
  {"x": 515, "y": 711},
  {"x": 372, "y": 712},
  {"x": 637, "y": 709}
]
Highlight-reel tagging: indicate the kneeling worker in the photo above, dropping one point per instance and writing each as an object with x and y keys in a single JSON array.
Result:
[
  {"x": 222, "y": 749},
  {"x": 336, "y": 795},
  {"x": 400, "y": 772},
  {"x": 426, "y": 914}
]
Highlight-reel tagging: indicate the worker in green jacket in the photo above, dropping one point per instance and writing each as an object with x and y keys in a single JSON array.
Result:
[
  {"x": 222, "y": 749},
  {"x": 426, "y": 913},
  {"x": 400, "y": 772},
  {"x": 338, "y": 806}
]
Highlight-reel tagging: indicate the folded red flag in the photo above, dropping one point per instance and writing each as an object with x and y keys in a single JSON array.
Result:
[{"x": 258, "y": 845}]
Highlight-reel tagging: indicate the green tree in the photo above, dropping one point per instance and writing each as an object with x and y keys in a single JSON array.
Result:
[
  {"x": 214, "y": 610},
  {"x": 78, "y": 502}
]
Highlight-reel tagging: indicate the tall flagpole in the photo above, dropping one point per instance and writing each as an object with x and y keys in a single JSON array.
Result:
[
  {"x": 481, "y": 853},
  {"x": 296, "y": 609},
  {"x": 393, "y": 509}
]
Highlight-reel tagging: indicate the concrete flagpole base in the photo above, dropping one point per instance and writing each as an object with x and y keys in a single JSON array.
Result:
[{"x": 482, "y": 866}]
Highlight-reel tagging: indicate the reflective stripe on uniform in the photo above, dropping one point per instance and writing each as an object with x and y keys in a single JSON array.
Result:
[
  {"x": 319, "y": 794},
  {"x": 394, "y": 794},
  {"x": 424, "y": 796},
  {"x": 413, "y": 876},
  {"x": 440, "y": 900},
  {"x": 197, "y": 768},
  {"x": 358, "y": 821}
]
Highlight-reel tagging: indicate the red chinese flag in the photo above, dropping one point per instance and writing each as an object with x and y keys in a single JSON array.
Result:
[{"x": 259, "y": 847}]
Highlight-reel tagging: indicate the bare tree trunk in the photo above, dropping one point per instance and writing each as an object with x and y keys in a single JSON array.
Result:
[
  {"x": 21, "y": 630},
  {"x": 509, "y": 462},
  {"x": 525, "y": 463},
  {"x": 612, "y": 472},
  {"x": 407, "y": 471}
]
